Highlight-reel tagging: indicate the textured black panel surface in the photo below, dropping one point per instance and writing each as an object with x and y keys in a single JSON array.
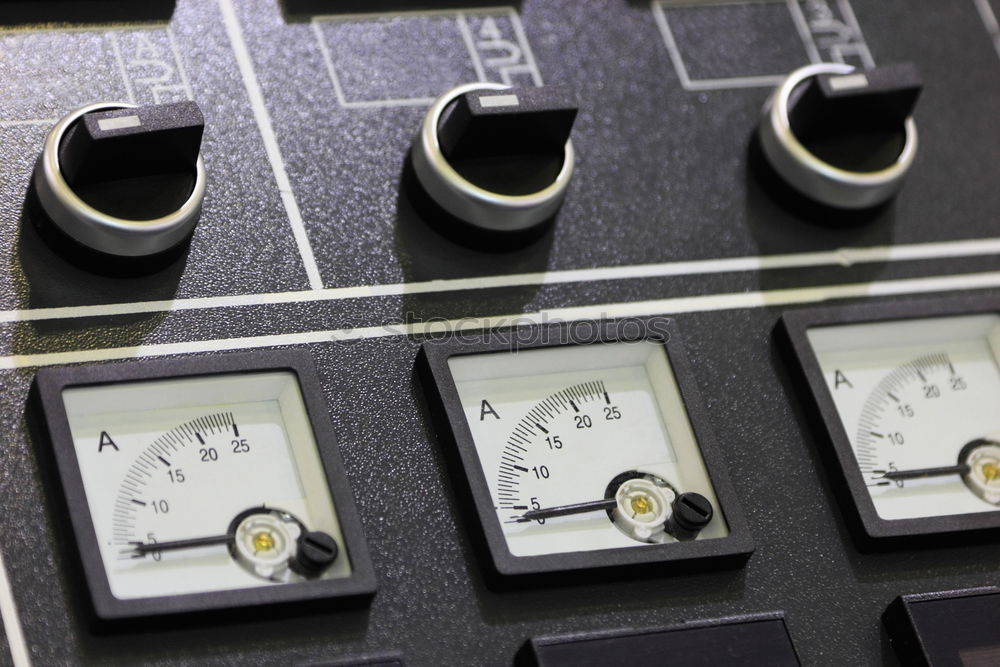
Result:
[{"x": 664, "y": 174}]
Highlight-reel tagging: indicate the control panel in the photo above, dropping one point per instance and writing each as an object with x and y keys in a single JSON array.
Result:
[{"x": 385, "y": 333}]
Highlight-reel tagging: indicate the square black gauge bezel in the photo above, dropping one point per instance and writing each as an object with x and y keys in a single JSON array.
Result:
[
  {"x": 389, "y": 659},
  {"x": 47, "y": 400},
  {"x": 761, "y": 638},
  {"x": 470, "y": 480},
  {"x": 945, "y": 627},
  {"x": 870, "y": 529}
]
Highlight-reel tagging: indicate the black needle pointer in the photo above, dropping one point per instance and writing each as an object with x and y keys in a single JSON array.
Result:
[
  {"x": 942, "y": 471},
  {"x": 315, "y": 550},
  {"x": 143, "y": 548},
  {"x": 565, "y": 510}
]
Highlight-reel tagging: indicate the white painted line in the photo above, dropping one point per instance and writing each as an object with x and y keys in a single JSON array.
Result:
[
  {"x": 180, "y": 65},
  {"x": 660, "y": 16},
  {"x": 861, "y": 43},
  {"x": 328, "y": 60},
  {"x": 843, "y": 257},
  {"x": 119, "y": 123},
  {"x": 413, "y": 13},
  {"x": 494, "y": 101},
  {"x": 19, "y": 652},
  {"x": 463, "y": 26},
  {"x": 31, "y": 121},
  {"x": 112, "y": 35},
  {"x": 805, "y": 34},
  {"x": 848, "y": 81},
  {"x": 338, "y": 90},
  {"x": 122, "y": 70},
  {"x": 42, "y": 28},
  {"x": 703, "y": 303},
  {"x": 766, "y": 81},
  {"x": 388, "y": 104},
  {"x": 470, "y": 45},
  {"x": 256, "y": 97},
  {"x": 529, "y": 56},
  {"x": 989, "y": 18}
]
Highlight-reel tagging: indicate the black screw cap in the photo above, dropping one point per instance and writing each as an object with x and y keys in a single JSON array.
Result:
[
  {"x": 316, "y": 551},
  {"x": 691, "y": 512}
]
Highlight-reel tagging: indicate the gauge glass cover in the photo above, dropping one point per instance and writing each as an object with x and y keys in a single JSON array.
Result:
[
  {"x": 181, "y": 458},
  {"x": 909, "y": 396},
  {"x": 604, "y": 435},
  {"x": 157, "y": 453},
  {"x": 555, "y": 426}
]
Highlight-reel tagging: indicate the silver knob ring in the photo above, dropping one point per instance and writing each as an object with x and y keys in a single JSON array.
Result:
[
  {"x": 816, "y": 178},
  {"x": 97, "y": 230},
  {"x": 466, "y": 200}
]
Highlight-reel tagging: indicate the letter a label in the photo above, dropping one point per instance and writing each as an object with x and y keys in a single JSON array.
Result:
[
  {"x": 839, "y": 378},
  {"x": 106, "y": 441},
  {"x": 487, "y": 409}
]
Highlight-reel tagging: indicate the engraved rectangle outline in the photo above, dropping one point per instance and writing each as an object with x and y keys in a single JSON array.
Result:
[
  {"x": 304, "y": 249},
  {"x": 458, "y": 14},
  {"x": 812, "y": 51},
  {"x": 109, "y": 31}
]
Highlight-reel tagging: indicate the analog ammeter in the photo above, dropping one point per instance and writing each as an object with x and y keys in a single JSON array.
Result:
[
  {"x": 202, "y": 484},
  {"x": 584, "y": 452},
  {"x": 909, "y": 397}
]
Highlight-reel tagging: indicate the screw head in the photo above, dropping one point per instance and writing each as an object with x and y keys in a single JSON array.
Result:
[
  {"x": 316, "y": 551},
  {"x": 692, "y": 511}
]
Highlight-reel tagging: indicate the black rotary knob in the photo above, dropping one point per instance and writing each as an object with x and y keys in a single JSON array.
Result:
[
  {"x": 121, "y": 181},
  {"x": 497, "y": 159},
  {"x": 843, "y": 137}
]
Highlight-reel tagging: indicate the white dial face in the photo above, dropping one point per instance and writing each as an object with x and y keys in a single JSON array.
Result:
[
  {"x": 920, "y": 402},
  {"x": 173, "y": 460},
  {"x": 556, "y": 426}
]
